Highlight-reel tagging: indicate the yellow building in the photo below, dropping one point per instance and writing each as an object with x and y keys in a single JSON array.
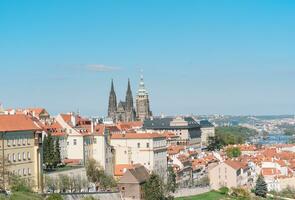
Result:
[{"x": 21, "y": 149}]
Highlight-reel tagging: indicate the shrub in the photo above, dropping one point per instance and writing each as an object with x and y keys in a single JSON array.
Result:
[{"x": 224, "y": 190}]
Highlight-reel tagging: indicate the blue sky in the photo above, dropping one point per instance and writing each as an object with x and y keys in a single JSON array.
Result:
[{"x": 201, "y": 57}]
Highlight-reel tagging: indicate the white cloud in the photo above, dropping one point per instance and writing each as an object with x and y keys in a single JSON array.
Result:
[{"x": 101, "y": 68}]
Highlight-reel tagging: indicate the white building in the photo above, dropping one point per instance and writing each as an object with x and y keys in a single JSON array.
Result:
[{"x": 148, "y": 149}]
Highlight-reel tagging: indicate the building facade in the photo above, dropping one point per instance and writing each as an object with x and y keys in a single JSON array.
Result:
[
  {"x": 229, "y": 174},
  {"x": 186, "y": 128},
  {"x": 21, "y": 146},
  {"x": 148, "y": 149}
]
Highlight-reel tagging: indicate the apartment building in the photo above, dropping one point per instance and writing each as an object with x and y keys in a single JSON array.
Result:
[
  {"x": 148, "y": 149},
  {"x": 21, "y": 146},
  {"x": 188, "y": 130},
  {"x": 207, "y": 131},
  {"x": 229, "y": 173}
]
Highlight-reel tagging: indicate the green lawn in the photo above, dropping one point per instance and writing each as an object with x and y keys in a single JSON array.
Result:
[
  {"x": 22, "y": 196},
  {"x": 213, "y": 195}
]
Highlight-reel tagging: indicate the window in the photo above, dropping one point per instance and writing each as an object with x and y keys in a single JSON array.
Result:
[
  {"x": 24, "y": 156},
  {"x": 147, "y": 145},
  {"x": 19, "y": 172},
  {"x": 68, "y": 143},
  {"x": 14, "y": 158},
  {"x": 14, "y": 142},
  {"x": 24, "y": 172},
  {"x": 123, "y": 188},
  {"x": 138, "y": 145},
  {"x": 94, "y": 140},
  {"x": 75, "y": 141},
  {"x": 8, "y": 142},
  {"x": 29, "y": 171},
  {"x": 19, "y": 141},
  {"x": 28, "y": 141},
  {"x": 9, "y": 157},
  {"x": 19, "y": 156},
  {"x": 29, "y": 156},
  {"x": 24, "y": 141}
]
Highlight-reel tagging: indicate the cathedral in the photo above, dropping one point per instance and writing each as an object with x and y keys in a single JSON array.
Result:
[{"x": 124, "y": 111}]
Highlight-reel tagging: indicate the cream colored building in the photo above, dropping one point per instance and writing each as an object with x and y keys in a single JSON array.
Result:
[
  {"x": 207, "y": 131},
  {"x": 148, "y": 149},
  {"x": 21, "y": 149},
  {"x": 229, "y": 174}
]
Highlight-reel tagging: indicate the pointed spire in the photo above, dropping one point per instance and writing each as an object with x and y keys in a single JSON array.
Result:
[
  {"x": 128, "y": 87},
  {"x": 112, "y": 86}
]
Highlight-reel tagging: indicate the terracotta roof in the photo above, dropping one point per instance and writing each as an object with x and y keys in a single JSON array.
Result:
[
  {"x": 66, "y": 117},
  {"x": 12, "y": 123},
  {"x": 173, "y": 149},
  {"x": 120, "y": 169},
  {"x": 236, "y": 164},
  {"x": 137, "y": 136},
  {"x": 270, "y": 171}
]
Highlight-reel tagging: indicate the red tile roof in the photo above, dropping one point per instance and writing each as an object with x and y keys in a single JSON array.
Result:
[
  {"x": 236, "y": 164},
  {"x": 121, "y": 168},
  {"x": 12, "y": 123}
]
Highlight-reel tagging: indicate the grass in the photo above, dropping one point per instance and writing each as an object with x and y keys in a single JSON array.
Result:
[
  {"x": 22, "y": 196},
  {"x": 213, "y": 195}
]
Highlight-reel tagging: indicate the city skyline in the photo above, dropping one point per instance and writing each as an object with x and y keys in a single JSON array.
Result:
[{"x": 207, "y": 57}]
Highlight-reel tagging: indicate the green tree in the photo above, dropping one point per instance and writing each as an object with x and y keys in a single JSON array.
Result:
[
  {"x": 48, "y": 151},
  {"x": 153, "y": 188},
  {"x": 57, "y": 157},
  {"x": 171, "y": 180},
  {"x": 214, "y": 143},
  {"x": 260, "y": 187},
  {"x": 51, "y": 183},
  {"x": 233, "y": 152},
  {"x": 64, "y": 183},
  {"x": 20, "y": 185}
]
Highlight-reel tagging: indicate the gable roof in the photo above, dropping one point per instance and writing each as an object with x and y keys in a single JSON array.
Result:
[
  {"x": 236, "y": 164},
  {"x": 138, "y": 174},
  {"x": 10, "y": 123}
]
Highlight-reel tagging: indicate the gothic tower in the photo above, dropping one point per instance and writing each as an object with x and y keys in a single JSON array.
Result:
[
  {"x": 142, "y": 102},
  {"x": 129, "y": 109},
  {"x": 112, "y": 110}
]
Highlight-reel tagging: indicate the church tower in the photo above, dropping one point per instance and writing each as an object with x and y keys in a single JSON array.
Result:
[
  {"x": 142, "y": 102},
  {"x": 129, "y": 109},
  {"x": 112, "y": 110}
]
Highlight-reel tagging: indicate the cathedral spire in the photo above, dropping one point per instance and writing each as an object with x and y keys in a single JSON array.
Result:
[
  {"x": 129, "y": 98},
  {"x": 112, "y": 109}
]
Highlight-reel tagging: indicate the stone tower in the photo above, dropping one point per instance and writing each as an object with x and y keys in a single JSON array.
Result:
[
  {"x": 129, "y": 108},
  {"x": 142, "y": 102},
  {"x": 112, "y": 109}
]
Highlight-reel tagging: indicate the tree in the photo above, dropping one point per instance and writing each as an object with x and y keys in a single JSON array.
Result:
[
  {"x": 233, "y": 152},
  {"x": 64, "y": 183},
  {"x": 171, "y": 180},
  {"x": 49, "y": 152},
  {"x": 92, "y": 171},
  {"x": 260, "y": 187},
  {"x": 57, "y": 157},
  {"x": 51, "y": 183},
  {"x": 20, "y": 185},
  {"x": 96, "y": 174},
  {"x": 214, "y": 143},
  {"x": 153, "y": 188}
]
